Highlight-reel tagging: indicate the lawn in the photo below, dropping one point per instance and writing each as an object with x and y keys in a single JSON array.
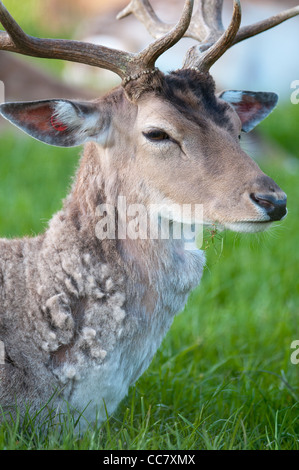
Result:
[{"x": 223, "y": 378}]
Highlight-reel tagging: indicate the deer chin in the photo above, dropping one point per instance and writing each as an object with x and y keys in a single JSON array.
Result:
[{"x": 247, "y": 227}]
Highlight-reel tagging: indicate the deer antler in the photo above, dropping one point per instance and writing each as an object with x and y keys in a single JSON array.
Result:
[
  {"x": 207, "y": 28},
  {"x": 254, "y": 29},
  {"x": 145, "y": 14},
  {"x": 205, "y": 19},
  {"x": 126, "y": 65},
  {"x": 203, "y": 58}
]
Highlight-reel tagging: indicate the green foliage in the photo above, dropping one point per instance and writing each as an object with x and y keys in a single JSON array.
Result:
[
  {"x": 282, "y": 128},
  {"x": 34, "y": 179},
  {"x": 26, "y": 14},
  {"x": 30, "y": 15},
  {"x": 223, "y": 378}
]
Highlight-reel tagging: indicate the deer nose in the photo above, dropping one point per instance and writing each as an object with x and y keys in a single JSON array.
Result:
[{"x": 275, "y": 207}]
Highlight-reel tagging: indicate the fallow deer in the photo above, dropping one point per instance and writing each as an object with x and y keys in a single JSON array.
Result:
[{"x": 83, "y": 316}]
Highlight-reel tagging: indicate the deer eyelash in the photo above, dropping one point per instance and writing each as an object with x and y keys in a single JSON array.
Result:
[
  {"x": 156, "y": 135},
  {"x": 159, "y": 136}
]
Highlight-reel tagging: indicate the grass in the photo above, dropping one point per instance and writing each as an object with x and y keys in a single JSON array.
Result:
[
  {"x": 34, "y": 179},
  {"x": 223, "y": 378}
]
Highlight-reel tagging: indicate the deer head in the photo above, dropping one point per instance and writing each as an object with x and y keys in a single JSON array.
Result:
[{"x": 166, "y": 137}]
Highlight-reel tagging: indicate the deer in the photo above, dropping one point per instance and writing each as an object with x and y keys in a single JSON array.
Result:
[{"x": 82, "y": 316}]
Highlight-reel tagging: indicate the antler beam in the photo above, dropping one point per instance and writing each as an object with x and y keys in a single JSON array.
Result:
[
  {"x": 124, "y": 64},
  {"x": 206, "y": 27},
  {"x": 15, "y": 40},
  {"x": 154, "y": 50}
]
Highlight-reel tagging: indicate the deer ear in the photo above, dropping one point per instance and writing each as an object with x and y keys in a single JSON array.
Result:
[
  {"x": 61, "y": 123},
  {"x": 251, "y": 107}
]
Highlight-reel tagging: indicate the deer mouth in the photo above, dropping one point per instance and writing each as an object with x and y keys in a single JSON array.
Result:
[
  {"x": 248, "y": 226},
  {"x": 271, "y": 207}
]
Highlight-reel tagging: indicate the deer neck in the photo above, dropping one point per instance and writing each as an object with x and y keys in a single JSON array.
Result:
[{"x": 100, "y": 183}]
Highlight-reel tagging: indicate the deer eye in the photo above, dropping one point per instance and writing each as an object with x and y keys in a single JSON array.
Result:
[{"x": 156, "y": 135}]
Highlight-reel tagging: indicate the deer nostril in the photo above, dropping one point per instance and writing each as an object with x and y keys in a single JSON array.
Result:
[
  {"x": 263, "y": 201},
  {"x": 275, "y": 208}
]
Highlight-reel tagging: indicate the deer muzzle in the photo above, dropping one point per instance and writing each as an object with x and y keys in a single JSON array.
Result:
[{"x": 274, "y": 204}]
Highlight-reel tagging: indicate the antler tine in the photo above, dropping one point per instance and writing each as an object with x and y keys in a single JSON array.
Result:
[
  {"x": 203, "y": 61},
  {"x": 144, "y": 12},
  {"x": 154, "y": 50},
  {"x": 212, "y": 13},
  {"x": 257, "y": 28},
  {"x": 206, "y": 26}
]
